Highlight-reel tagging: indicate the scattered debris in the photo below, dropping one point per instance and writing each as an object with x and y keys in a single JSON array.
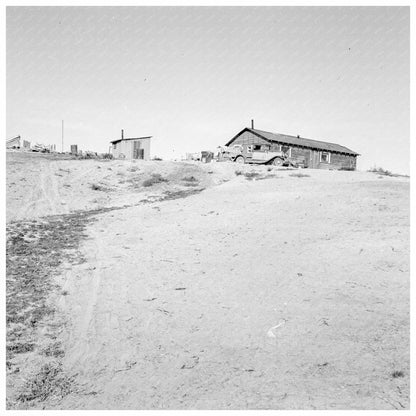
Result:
[
  {"x": 164, "y": 311},
  {"x": 270, "y": 332},
  {"x": 190, "y": 363},
  {"x": 129, "y": 366}
]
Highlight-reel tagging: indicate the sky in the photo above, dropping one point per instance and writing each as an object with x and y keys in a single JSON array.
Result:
[{"x": 193, "y": 77}]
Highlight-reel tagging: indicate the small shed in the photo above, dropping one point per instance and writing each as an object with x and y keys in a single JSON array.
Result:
[
  {"x": 310, "y": 153},
  {"x": 131, "y": 147}
]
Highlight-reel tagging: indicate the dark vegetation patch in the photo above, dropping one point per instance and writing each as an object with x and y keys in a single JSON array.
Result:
[
  {"x": 397, "y": 374},
  {"x": 34, "y": 251},
  {"x": 268, "y": 176},
  {"x": 180, "y": 194},
  {"x": 49, "y": 382},
  {"x": 299, "y": 175},
  {"x": 190, "y": 179},
  {"x": 385, "y": 172},
  {"x": 96, "y": 187},
  {"x": 54, "y": 350},
  {"x": 154, "y": 179},
  {"x": 251, "y": 175}
]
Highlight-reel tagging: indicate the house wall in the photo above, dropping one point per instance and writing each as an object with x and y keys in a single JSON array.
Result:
[
  {"x": 310, "y": 157},
  {"x": 124, "y": 149},
  {"x": 246, "y": 139}
]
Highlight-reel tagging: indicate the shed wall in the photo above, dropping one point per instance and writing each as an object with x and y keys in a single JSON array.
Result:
[{"x": 124, "y": 149}]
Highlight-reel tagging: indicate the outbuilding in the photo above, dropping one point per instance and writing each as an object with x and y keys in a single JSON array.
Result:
[
  {"x": 17, "y": 143},
  {"x": 131, "y": 147},
  {"x": 307, "y": 152}
]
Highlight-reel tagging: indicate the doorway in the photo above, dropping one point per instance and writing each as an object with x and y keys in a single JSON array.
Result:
[{"x": 138, "y": 152}]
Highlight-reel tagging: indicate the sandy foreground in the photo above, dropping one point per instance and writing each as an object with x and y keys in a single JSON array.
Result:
[{"x": 289, "y": 292}]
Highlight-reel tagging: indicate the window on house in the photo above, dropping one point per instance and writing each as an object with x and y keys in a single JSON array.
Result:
[
  {"x": 257, "y": 147},
  {"x": 114, "y": 146},
  {"x": 250, "y": 148},
  {"x": 287, "y": 150},
  {"x": 325, "y": 157}
]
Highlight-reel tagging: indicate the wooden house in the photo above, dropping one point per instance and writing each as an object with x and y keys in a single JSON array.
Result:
[
  {"x": 131, "y": 148},
  {"x": 310, "y": 153}
]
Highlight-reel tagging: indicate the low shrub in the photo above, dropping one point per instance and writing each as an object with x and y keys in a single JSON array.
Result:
[
  {"x": 154, "y": 179},
  {"x": 190, "y": 179},
  {"x": 300, "y": 175},
  {"x": 380, "y": 171},
  {"x": 96, "y": 187},
  {"x": 50, "y": 381},
  {"x": 251, "y": 175}
]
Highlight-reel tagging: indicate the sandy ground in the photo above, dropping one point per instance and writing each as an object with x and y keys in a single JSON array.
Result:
[
  {"x": 40, "y": 185},
  {"x": 284, "y": 293}
]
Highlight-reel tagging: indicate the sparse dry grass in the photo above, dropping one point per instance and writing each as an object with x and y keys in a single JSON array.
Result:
[
  {"x": 154, "y": 179},
  {"x": 190, "y": 179},
  {"x": 50, "y": 381},
  {"x": 251, "y": 175},
  {"x": 384, "y": 172},
  {"x": 34, "y": 250},
  {"x": 299, "y": 175}
]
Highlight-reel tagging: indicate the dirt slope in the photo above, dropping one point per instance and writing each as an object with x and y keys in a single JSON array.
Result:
[
  {"x": 277, "y": 294},
  {"x": 284, "y": 293},
  {"x": 40, "y": 184}
]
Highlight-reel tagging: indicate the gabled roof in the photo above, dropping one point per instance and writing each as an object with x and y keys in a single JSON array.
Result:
[
  {"x": 13, "y": 139},
  {"x": 130, "y": 138},
  {"x": 298, "y": 141}
]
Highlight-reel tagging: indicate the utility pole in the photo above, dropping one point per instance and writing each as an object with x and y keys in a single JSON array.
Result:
[{"x": 62, "y": 136}]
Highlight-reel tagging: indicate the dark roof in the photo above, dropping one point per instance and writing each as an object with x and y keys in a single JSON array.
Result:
[
  {"x": 298, "y": 141},
  {"x": 130, "y": 138}
]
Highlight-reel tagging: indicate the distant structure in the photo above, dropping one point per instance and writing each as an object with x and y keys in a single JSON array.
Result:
[
  {"x": 74, "y": 149},
  {"x": 131, "y": 147},
  {"x": 193, "y": 156},
  {"x": 17, "y": 143},
  {"x": 310, "y": 153}
]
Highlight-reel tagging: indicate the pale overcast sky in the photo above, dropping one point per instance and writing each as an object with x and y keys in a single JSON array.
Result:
[{"x": 193, "y": 77}]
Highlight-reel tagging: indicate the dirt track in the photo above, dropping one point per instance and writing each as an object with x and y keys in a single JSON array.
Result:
[{"x": 282, "y": 293}]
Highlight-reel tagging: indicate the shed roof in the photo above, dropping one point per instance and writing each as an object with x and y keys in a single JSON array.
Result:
[
  {"x": 298, "y": 141},
  {"x": 130, "y": 138}
]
